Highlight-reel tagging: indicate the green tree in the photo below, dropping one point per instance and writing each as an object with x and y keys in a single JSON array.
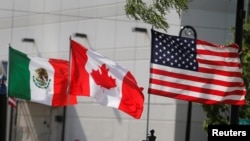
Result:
[
  {"x": 245, "y": 110},
  {"x": 154, "y": 13}
]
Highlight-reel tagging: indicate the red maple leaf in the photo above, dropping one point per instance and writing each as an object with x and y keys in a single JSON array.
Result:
[{"x": 102, "y": 78}]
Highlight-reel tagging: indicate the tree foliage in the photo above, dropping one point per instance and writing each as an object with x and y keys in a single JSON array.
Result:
[
  {"x": 155, "y": 12},
  {"x": 245, "y": 110},
  {"x": 216, "y": 115}
]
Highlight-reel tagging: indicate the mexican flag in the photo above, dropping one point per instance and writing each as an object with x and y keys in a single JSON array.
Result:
[{"x": 39, "y": 80}]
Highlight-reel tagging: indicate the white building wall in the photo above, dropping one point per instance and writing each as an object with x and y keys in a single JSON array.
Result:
[
  {"x": 212, "y": 20},
  {"x": 109, "y": 32}
]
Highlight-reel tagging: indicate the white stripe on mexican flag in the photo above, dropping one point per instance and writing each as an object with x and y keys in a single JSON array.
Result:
[{"x": 38, "y": 80}]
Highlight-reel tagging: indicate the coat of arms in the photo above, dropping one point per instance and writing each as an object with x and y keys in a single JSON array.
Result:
[{"x": 41, "y": 78}]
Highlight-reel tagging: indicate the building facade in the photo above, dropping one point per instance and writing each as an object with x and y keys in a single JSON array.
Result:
[{"x": 110, "y": 32}]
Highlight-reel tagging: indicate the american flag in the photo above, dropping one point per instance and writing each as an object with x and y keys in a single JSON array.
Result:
[
  {"x": 195, "y": 70},
  {"x": 12, "y": 102}
]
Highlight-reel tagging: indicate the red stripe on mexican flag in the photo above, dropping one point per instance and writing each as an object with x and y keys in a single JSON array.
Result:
[{"x": 38, "y": 80}]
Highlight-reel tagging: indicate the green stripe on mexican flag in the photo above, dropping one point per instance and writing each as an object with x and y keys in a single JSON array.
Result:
[{"x": 38, "y": 80}]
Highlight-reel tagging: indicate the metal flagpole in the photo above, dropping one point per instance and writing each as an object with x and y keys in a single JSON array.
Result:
[
  {"x": 3, "y": 105},
  {"x": 148, "y": 110},
  {"x": 240, "y": 15},
  {"x": 148, "y": 117},
  {"x": 187, "y": 31},
  {"x": 68, "y": 91},
  {"x": 11, "y": 123}
]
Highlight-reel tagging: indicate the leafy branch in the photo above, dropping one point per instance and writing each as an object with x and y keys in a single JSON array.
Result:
[{"x": 154, "y": 13}]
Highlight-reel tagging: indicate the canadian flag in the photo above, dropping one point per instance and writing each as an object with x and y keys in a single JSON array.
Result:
[{"x": 108, "y": 82}]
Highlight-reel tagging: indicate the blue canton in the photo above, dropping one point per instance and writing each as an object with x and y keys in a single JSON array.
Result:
[{"x": 173, "y": 51}]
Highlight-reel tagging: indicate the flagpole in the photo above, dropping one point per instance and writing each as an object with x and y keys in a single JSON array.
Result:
[
  {"x": 189, "y": 111},
  {"x": 3, "y": 107},
  {"x": 148, "y": 110},
  {"x": 3, "y": 116},
  {"x": 11, "y": 123},
  {"x": 68, "y": 92},
  {"x": 240, "y": 15},
  {"x": 15, "y": 124}
]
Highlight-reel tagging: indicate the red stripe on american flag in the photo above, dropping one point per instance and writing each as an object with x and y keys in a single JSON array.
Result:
[
  {"x": 219, "y": 72},
  {"x": 196, "y": 99},
  {"x": 196, "y": 88},
  {"x": 12, "y": 101},
  {"x": 221, "y": 54},
  {"x": 195, "y": 78},
  {"x": 219, "y": 63}
]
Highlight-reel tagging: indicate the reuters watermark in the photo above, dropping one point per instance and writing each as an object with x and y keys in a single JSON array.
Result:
[{"x": 239, "y": 132}]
